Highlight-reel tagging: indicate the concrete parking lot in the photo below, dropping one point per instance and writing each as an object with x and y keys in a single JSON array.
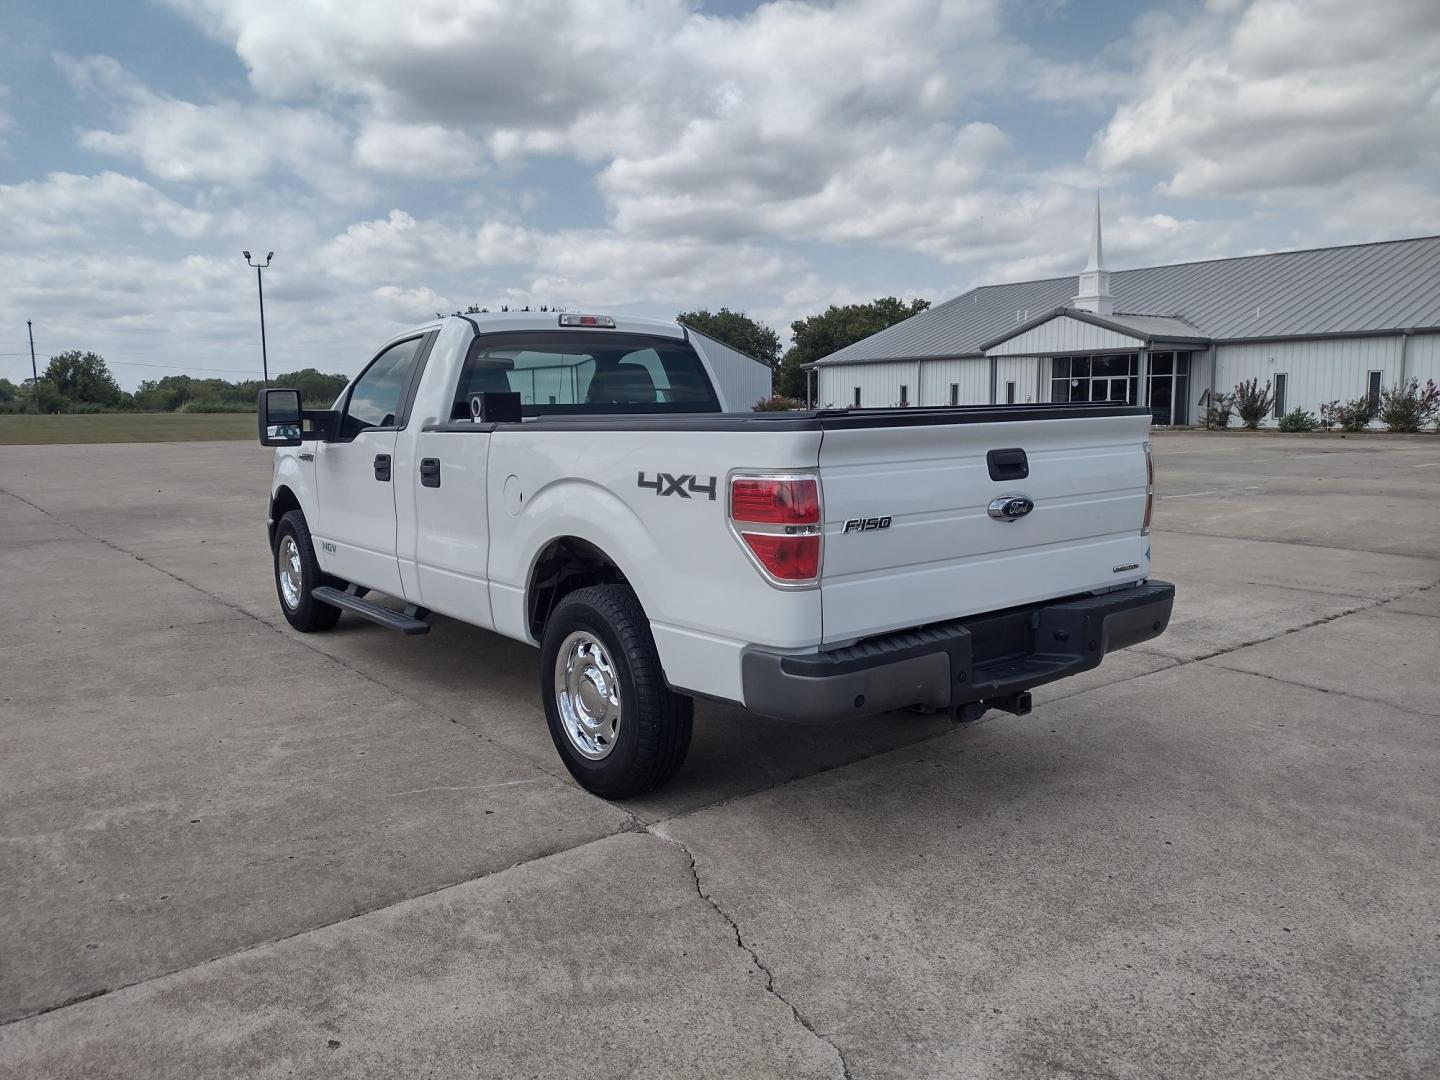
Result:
[{"x": 230, "y": 850}]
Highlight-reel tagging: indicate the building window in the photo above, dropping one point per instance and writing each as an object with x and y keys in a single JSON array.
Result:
[
  {"x": 1112, "y": 377},
  {"x": 904, "y": 394},
  {"x": 954, "y": 393},
  {"x": 1372, "y": 391},
  {"x": 1282, "y": 384},
  {"x": 1009, "y": 393},
  {"x": 857, "y": 397}
]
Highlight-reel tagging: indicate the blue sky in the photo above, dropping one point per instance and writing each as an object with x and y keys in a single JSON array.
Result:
[{"x": 659, "y": 155}]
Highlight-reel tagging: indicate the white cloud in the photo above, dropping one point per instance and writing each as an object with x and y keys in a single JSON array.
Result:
[
  {"x": 1317, "y": 102},
  {"x": 224, "y": 142},
  {"x": 857, "y": 122},
  {"x": 418, "y": 150},
  {"x": 65, "y": 206},
  {"x": 565, "y": 266}
]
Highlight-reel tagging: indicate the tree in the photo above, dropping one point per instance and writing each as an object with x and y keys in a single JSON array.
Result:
[
  {"x": 83, "y": 377},
  {"x": 8, "y": 391},
  {"x": 820, "y": 335},
  {"x": 736, "y": 329},
  {"x": 316, "y": 388}
]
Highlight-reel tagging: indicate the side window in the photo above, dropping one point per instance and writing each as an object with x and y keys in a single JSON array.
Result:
[{"x": 376, "y": 399}]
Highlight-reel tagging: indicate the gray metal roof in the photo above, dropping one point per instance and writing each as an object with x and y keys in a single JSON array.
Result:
[
  {"x": 1392, "y": 285},
  {"x": 1149, "y": 327}
]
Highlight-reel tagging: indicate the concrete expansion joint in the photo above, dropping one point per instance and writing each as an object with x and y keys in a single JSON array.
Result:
[
  {"x": 740, "y": 943},
  {"x": 294, "y": 639}
]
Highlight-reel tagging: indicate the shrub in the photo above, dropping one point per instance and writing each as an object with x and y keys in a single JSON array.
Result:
[
  {"x": 777, "y": 403},
  {"x": 1347, "y": 415},
  {"x": 1298, "y": 420},
  {"x": 1217, "y": 408},
  {"x": 1408, "y": 407},
  {"x": 216, "y": 407},
  {"x": 1252, "y": 402}
]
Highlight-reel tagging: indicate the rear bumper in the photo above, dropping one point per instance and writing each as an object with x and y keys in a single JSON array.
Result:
[{"x": 982, "y": 658}]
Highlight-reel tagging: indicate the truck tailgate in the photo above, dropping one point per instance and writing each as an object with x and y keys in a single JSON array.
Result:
[{"x": 942, "y": 555}]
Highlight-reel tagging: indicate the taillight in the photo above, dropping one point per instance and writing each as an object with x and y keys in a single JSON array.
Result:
[
  {"x": 1149, "y": 489},
  {"x": 775, "y": 500},
  {"x": 777, "y": 519}
]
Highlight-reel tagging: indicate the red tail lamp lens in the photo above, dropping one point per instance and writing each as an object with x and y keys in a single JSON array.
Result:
[
  {"x": 787, "y": 558},
  {"x": 775, "y": 502}
]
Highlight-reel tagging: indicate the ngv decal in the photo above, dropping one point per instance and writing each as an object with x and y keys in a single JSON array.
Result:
[
  {"x": 685, "y": 486},
  {"x": 866, "y": 524}
]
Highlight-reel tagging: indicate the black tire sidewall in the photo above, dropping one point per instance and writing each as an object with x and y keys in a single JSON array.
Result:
[
  {"x": 309, "y": 614},
  {"x": 615, "y": 767}
]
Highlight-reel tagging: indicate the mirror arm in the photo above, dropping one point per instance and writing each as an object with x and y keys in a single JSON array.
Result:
[{"x": 322, "y": 424}]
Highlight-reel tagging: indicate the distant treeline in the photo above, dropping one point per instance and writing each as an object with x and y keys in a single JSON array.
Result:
[{"x": 80, "y": 382}]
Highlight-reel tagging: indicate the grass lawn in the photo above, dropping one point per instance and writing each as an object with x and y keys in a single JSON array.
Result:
[{"x": 26, "y": 429}]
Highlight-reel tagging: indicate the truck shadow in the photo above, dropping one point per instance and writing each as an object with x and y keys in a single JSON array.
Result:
[{"x": 491, "y": 685}]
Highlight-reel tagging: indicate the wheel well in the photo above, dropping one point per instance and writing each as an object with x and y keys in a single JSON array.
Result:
[
  {"x": 281, "y": 503},
  {"x": 565, "y": 565}
]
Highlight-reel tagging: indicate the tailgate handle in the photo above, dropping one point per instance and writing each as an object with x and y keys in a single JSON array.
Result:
[{"x": 1008, "y": 464}]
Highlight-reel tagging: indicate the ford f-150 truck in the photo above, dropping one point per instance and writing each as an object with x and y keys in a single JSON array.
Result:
[{"x": 578, "y": 482}]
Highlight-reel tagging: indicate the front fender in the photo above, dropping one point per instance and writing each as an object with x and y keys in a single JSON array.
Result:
[{"x": 291, "y": 486}]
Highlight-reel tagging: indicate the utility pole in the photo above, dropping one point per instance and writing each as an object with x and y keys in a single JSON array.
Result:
[
  {"x": 260, "y": 288},
  {"x": 34, "y": 371}
]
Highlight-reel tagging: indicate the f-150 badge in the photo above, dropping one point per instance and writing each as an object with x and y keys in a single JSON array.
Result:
[
  {"x": 684, "y": 486},
  {"x": 866, "y": 524}
]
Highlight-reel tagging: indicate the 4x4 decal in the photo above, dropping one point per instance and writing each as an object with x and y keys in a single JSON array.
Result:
[{"x": 684, "y": 486}]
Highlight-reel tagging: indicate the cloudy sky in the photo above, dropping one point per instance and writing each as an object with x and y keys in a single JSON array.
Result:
[{"x": 658, "y": 155}]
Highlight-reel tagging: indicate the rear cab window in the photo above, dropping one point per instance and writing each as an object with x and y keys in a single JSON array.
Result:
[{"x": 560, "y": 373}]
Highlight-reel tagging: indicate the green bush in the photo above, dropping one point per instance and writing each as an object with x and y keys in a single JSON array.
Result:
[
  {"x": 777, "y": 403},
  {"x": 1347, "y": 415},
  {"x": 1408, "y": 407},
  {"x": 1252, "y": 402},
  {"x": 1299, "y": 420},
  {"x": 1217, "y": 408},
  {"x": 216, "y": 407}
]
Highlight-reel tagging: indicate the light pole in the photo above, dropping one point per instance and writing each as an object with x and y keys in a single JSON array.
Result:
[
  {"x": 34, "y": 372},
  {"x": 260, "y": 288}
]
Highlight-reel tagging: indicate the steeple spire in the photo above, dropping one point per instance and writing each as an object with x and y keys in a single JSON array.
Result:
[
  {"x": 1094, "y": 294},
  {"x": 1097, "y": 252}
]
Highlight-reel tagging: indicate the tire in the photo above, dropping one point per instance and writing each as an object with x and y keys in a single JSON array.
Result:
[
  {"x": 305, "y": 613},
  {"x": 599, "y": 635}
]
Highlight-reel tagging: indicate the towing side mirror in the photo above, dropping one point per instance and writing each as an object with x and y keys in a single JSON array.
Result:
[{"x": 280, "y": 417}]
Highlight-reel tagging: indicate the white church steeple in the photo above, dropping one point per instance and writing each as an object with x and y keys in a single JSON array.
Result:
[{"x": 1094, "y": 294}]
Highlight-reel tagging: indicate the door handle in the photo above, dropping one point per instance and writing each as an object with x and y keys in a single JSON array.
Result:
[
  {"x": 430, "y": 472},
  {"x": 382, "y": 467}
]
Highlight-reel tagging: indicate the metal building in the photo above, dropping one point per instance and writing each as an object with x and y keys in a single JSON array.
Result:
[{"x": 1318, "y": 325}]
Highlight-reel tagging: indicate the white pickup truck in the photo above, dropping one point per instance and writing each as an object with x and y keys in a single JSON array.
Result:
[{"x": 579, "y": 483}]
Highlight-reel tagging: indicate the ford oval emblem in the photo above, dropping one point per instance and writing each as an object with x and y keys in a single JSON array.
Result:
[{"x": 1011, "y": 507}]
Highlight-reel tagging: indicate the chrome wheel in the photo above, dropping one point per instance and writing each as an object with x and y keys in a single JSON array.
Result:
[
  {"x": 587, "y": 695},
  {"x": 290, "y": 572}
]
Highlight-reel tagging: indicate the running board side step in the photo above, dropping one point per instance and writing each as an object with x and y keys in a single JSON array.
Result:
[{"x": 409, "y": 621}]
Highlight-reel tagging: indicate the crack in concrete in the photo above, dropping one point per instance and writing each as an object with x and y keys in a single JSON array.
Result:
[
  {"x": 749, "y": 950},
  {"x": 1324, "y": 690}
]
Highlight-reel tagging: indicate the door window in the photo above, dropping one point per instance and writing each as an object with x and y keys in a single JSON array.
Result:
[{"x": 377, "y": 397}]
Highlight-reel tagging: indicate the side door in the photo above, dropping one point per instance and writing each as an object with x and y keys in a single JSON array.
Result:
[
  {"x": 354, "y": 474},
  {"x": 451, "y": 517}
]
